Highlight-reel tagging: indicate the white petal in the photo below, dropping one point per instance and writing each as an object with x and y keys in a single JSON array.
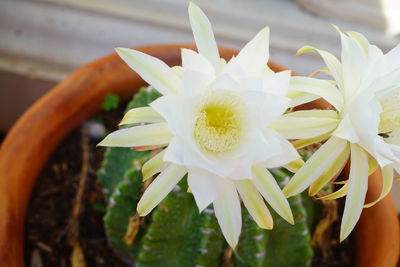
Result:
[
  {"x": 346, "y": 130},
  {"x": 205, "y": 186},
  {"x": 203, "y": 35},
  {"x": 306, "y": 124},
  {"x": 154, "y": 165},
  {"x": 196, "y": 62},
  {"x": 277, "y": 83},
  {"x": 146, "y": 135},
  {"x": 270, "y": 190},
  {"x": 358, "y": 185},
  {"x": 228, "y": 213},
  {"x": 285, "y": 154},
  {"x": 254, "y": 203},
  {"x": 152, "y": 70},
  {"x": 333, "y": 64},
  {"x": 353, "y": 64},
  {"x": 160, "y": 188},
  {"x": 361, "y": 41},
  {"x": 387, "y": 181},
  {"x": 318, "y": 87},
  {"x": 315, "y": 166},
  {"x": 141, "y": 115},
  {"x": 254, "y": 55}
]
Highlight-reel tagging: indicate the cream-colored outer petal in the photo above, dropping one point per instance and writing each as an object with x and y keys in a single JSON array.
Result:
[
  {"x": 145, "y": 135},
  {"x": 272, "y": 193},
  {"x": 228, "y": 212},
  {"x": 141, "y": 115},
  {"x": 254, "y": 203},
  {"x": 333, "y": 64},
  {"x": 299, "y": 98},
  {"x": 387, "y": 176},
  {"x": 160, "y": 188},
  {"x": 154, "y": 165},
  {"x": 204, "y": 36},
  {"x": 152, "y": 70},
  {"x": 306, "y": 124},
  {"x": 357, "y": 189},
  {"x": 254, "y": 55},
  {"x": 334, "y": 169},
  {"x": 318, "y": 87},
  {"x": 315, "y": 166}
]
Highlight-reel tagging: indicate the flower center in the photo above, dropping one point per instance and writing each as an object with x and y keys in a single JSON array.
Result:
[
  {"x": 219, "y": 124},
  {"x": 390, "y": 116}
]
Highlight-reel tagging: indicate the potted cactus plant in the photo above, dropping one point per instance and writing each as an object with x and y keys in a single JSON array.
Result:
[{"x": 230, "y": 145}]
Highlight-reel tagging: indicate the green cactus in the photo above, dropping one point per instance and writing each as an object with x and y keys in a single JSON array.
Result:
[
  {"x": 117, "y": 160},
  {"x": 289, "y": 244},
  {"x": 178, "y": 235}
]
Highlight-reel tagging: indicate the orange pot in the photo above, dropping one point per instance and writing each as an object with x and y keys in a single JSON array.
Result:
[{"x": 38, "y": 132}]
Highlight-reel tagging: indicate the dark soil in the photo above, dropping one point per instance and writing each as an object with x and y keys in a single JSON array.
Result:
[{"x": 48, "y": 226}]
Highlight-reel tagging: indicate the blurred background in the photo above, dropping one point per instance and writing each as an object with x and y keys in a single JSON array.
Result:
[{"x": 43, "y": 41}]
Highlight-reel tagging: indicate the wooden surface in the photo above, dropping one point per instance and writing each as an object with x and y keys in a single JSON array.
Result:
[{"x": 37, "y": 133}]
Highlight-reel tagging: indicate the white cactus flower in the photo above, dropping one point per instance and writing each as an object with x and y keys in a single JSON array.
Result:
[
  {"x": 365, "y": 125},
  {"x": 214, "y": 119}
]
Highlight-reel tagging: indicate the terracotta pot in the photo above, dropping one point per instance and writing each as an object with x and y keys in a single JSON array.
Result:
[{"x": 38, "y": 132}]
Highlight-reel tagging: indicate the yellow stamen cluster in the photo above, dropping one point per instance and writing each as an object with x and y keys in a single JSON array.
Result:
[{"x": 219, "y": 124}]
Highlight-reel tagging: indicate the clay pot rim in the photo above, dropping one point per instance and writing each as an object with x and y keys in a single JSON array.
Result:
[{"x": 69, "y": 106}]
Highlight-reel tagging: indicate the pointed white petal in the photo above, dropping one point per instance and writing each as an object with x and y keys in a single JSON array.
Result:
[
  {"x": 141, "y": 115},
  {"x": 358, "y": 185},
  {"x": 152, "y": 70},
  {"x": 254, "y": 203},
  {"x": 160, "y": 188},
  {"x": 270, "y": 190},
  {"x": 281, "y": 149},
  {"x": 306, "y": 124},
  {"x": 277, "y": 83},
  {"x": 315, "y": 166},
  {"x": 196, "y": 62},
  {"x": 346, "y": 130},
  {"x": 205, "y": 186},
  {"x": 333, "y": 64},
  {"x": 387, "y": 181},
  {"x": 154, "y": 165},
  {"x": 353, "y": 64},
  {"x": 254, "y": 56},
  {"x": 361, "y": 41},
  {"x": 318, "y": 87},
  {"x": 203, "y": 35},
  {"x": 333, "y": 170},
  {"x": 198, "y": 72},
  {"x": 145, "y": 135},
  {"x": 228, "y": 213}
]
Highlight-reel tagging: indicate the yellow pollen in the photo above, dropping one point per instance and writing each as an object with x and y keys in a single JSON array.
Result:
[
  {"x": 219, "y": 124},
  {"x": 390, "y": 116}
]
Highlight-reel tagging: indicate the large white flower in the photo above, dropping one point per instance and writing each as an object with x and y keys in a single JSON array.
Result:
[
  {"x": 214, "y": 120},
  {"x": 365, "y": 126}
]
